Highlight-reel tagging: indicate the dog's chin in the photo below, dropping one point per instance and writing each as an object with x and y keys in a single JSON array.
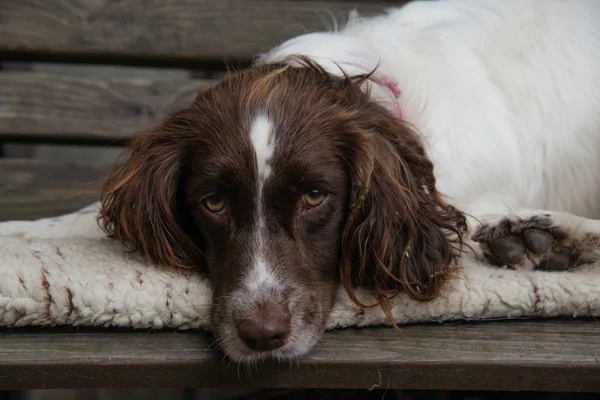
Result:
[{"x": 300, "y": 342}]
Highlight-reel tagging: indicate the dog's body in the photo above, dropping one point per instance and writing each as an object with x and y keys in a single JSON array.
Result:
[
  {"x": 357, "y": 156},
  {"x": 503, "y": 93}
]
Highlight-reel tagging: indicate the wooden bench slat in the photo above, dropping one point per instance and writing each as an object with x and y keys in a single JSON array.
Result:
[
  {"x": 524, "y": 355},
  {"x": 86, "y": 109},
  {"x": 175, "y": 30},
  {"x": 38, "y": 189}
]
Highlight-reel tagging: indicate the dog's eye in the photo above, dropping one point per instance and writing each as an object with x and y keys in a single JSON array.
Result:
[
  {"x": 214, "y": 203},
  {"x": 313, "y": 198}
]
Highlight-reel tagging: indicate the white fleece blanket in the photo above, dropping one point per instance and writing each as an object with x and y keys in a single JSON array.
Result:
[{"x": 64, "y": 271}]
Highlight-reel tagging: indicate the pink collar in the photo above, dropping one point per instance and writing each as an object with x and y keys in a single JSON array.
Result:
[{"x": 396, "y": 92}]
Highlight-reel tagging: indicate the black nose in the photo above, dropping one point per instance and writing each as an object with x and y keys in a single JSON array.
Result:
[{"x": 267, "y": 330}]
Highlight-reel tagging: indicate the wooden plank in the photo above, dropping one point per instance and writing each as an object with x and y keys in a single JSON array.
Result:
[
  {"x": 38, "y": 189},
  {"x": 86, "y": 109},
  {"x": 175, "y": 30},
  {"x": 532, "y": 355}
]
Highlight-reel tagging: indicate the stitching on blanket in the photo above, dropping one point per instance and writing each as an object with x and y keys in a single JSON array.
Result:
[
  {"x": 486, "y": 307},
  {"x": 19, "y": 297},
  {"x": 46, "y": 286},
  {"x": 70, "y": 305},
  {"x": 536, "y": 293}
]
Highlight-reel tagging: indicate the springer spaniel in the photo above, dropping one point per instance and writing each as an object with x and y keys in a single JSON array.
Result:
[{"x": 366, "y": 157}]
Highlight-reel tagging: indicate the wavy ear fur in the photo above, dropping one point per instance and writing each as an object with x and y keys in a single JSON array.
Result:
[
  {"x": 400, "y": 235},
  {"x": 140, "y": 201}
]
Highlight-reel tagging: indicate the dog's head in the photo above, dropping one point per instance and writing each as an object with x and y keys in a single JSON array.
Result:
[{"x": 282, "y": 182}]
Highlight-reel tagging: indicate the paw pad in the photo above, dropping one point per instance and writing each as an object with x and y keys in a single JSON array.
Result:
[{"x": 525, "y": 244}]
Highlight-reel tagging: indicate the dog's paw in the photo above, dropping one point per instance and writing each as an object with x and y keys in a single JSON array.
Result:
[{"x": 526, "y": 244}]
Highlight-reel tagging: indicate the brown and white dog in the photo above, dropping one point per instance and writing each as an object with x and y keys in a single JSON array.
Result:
[{"x": 324, "y": 163}]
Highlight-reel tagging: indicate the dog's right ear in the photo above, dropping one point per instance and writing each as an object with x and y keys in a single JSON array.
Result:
[{"x": 139, "y": 199}]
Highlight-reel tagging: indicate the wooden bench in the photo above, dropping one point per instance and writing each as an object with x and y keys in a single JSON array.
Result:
[{"x": 203, "y": 35}]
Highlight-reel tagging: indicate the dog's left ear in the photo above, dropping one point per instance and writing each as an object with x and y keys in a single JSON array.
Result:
[{"x": 400, "y": 234}]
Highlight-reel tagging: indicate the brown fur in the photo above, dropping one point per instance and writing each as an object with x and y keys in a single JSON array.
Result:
[{"x": 384, "y": 226}]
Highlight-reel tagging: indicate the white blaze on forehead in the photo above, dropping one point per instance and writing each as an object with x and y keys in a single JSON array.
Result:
[
  {"x": 261, "y": 134},
  {"x": 263, "y": 143}
]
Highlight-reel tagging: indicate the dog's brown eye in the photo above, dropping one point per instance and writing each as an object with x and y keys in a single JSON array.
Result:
[
  {"x": 214, "y": 203},
  {"x": 313, "y": 198}
]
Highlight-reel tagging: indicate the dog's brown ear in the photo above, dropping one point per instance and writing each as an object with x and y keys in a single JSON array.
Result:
[
  {"x": 400, "y": 235},
  {"x": 139, "y": 199}
]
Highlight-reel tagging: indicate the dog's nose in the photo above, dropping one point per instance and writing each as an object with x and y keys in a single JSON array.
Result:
[{"x": 267, "y": 330}]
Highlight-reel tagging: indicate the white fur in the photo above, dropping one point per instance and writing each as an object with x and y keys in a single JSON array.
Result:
[
  {"x": 261, "y": 134},
  {"x": 263, "y": 143},
  {"x": 504, "y": 93}
]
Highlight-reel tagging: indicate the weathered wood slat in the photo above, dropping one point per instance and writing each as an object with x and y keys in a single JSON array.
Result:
[
  {"x": 37, "y": 189},
  {"x": 532, "y": 355},
  {"x": 175, "y": 29},
  {"x": 86, "y": 109}
]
